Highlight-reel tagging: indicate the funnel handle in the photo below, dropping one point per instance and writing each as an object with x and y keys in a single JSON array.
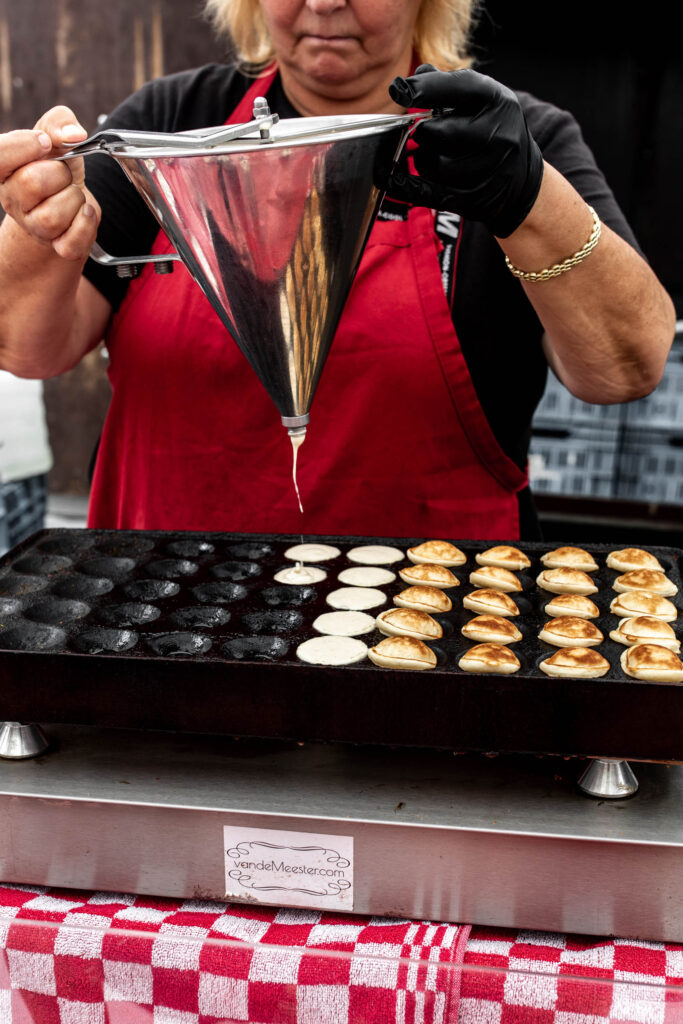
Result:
[{"x": 129, "y": 266}]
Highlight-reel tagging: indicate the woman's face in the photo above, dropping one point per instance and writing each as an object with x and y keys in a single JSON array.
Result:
[{"x": 336, "y": 54}]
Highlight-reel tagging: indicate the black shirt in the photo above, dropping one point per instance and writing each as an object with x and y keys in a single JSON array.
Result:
[{"x": 497, "y": 327}]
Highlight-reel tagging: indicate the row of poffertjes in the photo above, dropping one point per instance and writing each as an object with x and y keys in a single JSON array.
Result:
[{"x": 641, "y": 603}]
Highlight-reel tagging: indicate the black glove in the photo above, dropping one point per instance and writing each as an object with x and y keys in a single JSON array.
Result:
[{"x": 476, "y": 157}]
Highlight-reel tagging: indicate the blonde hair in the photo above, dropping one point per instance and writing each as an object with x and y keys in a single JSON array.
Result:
[{"x": 442, "y": 31}]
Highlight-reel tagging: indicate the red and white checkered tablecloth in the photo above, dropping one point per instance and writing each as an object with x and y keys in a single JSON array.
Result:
[
  {"x": 524, "y": 977},
  {"x": 108, "y": 958}
]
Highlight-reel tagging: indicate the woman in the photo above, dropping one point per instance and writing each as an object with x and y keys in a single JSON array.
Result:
[{"x": 422, "y": 417}]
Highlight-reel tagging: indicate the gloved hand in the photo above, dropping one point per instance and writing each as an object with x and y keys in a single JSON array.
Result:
[{"x": 477, "y": 157}]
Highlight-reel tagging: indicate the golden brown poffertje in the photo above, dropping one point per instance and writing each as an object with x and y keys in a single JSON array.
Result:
[
  {"x": 645, "y": 579},
  {"x": 405, "y": 653},
  {"x": 630, "y": 559},
  {"x": 437, "y": 552},
  {"x": 644, "y": 629},
  {"x": 566, "y": 581},
  {"x": 642, "y": 602},
  {"x": 571, "y": 631},
  {"x": 652, "y": 663},
  {"x": 409, "y": 622},
  {"x": 576, "y": 663},
  {"x": 492, "y": 577},
  {"x": 424, "y": 599},
  {"x": 492, "y": 629},
  {"x": 429, "y": 575},
  {"x": 569, "y": 558},
  {"x": 504, "y": 556},
  {"x": 490, "y": 602},
  {"x": 493, "y": 659},
  {"x": 572, "y": 604}
]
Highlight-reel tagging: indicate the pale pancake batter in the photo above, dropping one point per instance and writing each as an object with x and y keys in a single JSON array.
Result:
[
  {"x": 300, "y": 574},
  {"x": 366, "y": 576},
  {"x": 332, "y": 650},
  {"x": 312, "y": 552},
  {"x": 375, "y": 554},
  {"x": 344, "y": 623},
  {"x": 356, "y": 599}
]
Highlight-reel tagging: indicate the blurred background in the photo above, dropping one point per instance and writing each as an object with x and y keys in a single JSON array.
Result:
[{"x": 597, "y": 471}]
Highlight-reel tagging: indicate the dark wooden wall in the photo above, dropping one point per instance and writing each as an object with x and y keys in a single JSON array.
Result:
[
  {"x": 89, "y": 55},
  {"x": 623, "y": 80}
]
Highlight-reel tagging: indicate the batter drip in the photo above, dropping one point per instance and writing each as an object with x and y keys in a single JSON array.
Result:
[{"x": 297, "y": 440}]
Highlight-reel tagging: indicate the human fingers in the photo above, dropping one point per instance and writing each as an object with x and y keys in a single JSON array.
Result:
[
  {"x": 465, "y": 91},
  {"x": 62, "y": 126},
  {"x": 21, "y": 147},
  {"x": 52, "y": 218},
  {"x": 479, "y": 154},
  {"x": 77, "y": 240},
  {"x": 33, "y": 183},
  {"x": 64, "y": 130}
]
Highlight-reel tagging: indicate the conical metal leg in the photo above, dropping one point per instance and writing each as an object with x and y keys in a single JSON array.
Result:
[
  {"x": 19, "y": 741},
  {"x": 609, "y": 779}
]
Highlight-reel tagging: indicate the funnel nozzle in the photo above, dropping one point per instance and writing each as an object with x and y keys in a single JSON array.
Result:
[{"x": 295, "y": 425}]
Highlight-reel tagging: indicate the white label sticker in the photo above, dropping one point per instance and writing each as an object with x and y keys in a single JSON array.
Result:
[{"x": 289, "y": 869}]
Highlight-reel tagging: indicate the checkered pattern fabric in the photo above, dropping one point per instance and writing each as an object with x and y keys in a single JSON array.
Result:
[
  {"x": 524, "y": 977},
  {"x": 101, "y": 958}
]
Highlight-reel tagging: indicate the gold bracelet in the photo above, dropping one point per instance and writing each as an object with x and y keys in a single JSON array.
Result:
[{"x": 565, "y": 265}]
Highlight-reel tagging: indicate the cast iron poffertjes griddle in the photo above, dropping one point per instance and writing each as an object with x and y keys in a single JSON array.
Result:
[{"x": 190, "y": 632}]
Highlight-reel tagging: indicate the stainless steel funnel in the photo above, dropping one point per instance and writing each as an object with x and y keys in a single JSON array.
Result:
[{"x": 271, "y": 225}]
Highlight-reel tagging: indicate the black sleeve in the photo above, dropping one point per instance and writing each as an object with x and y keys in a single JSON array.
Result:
[
  {"x": 564, "y": 147},
  {"x": 192, "y": 99},
  {"x": 498, "y": 328}
]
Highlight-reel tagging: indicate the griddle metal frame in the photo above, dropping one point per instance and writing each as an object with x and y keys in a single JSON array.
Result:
[{"x": 506, "y": 841}]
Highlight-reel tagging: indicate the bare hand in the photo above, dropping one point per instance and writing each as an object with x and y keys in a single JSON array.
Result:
[{"x": 48, "y": 197}]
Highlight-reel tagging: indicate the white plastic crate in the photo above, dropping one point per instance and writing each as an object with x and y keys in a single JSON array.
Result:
[
  {"x": 559, "y": 407},
  {"x": 651, "y": 467},
  {"x": 577, "y": 461},
  {"x": 663, "y": 409},
  {"x": 4, "y": 535}
]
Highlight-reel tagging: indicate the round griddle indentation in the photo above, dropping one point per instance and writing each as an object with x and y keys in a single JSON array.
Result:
[
  {"x": 219, "y": 593},
  {"x": 288, "y": 595},
  {"x": 55, "y": 611},
  {"x": 236, "y": 571},
  {"x": 71, "y": 546},
  {"x": 114, "y": 568},
  {"x": 82, "y": 587},
  {"x": 166, "y": 644},
  {"x": 250, "y": 550},
  {"x": 282, "y": 621},
  {"x": 18, "y": 586},
  {"x": 255, "y": 648},
  {"x": 99, "y": 640},
  {"x": 45, "y": 564},
  {"x": 189, "y": 548},
  {"x": 125, "y": 547},
  {"x": 151, "y": 590},
  {"x": 168, "y": 568},
  {"x": 131, "y": 613},
  {"x": 9, "y": 606},
  {"x": 201, "y": 617},
  {"x": 32, "y": 636}
]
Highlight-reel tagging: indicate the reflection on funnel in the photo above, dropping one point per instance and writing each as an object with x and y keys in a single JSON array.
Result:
[{"x": 273, "y": 231}]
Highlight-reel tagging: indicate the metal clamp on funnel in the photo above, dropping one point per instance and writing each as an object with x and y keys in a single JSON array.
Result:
[{"x": 271, "y": 219}]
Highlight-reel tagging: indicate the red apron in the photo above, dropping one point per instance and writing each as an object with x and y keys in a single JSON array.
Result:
[{"x": 398, "y": 444}]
